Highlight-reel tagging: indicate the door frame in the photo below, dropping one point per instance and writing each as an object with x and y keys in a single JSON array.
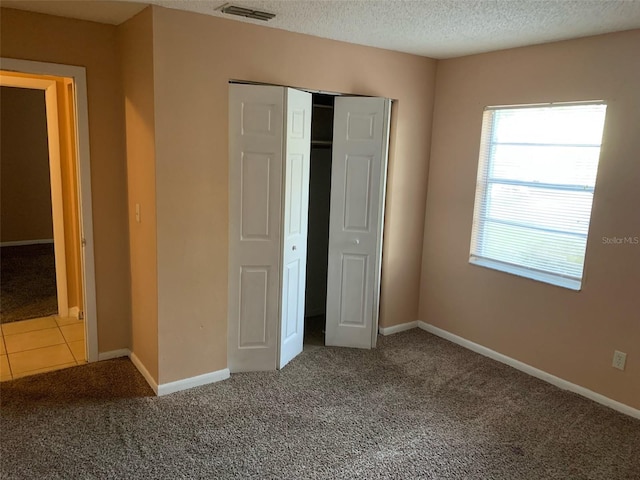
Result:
[{"x": 83, "y": 163}]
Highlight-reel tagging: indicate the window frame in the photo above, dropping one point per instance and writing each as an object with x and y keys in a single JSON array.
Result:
[{"x": 484, "y": 182}]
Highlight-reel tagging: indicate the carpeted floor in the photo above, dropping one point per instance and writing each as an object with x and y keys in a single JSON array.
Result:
[
  {"x": 415, "y": 407},
  {"x": 27, "y": 282}
]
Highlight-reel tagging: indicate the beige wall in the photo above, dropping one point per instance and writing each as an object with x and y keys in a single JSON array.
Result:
[
  {"x": 46, "y": 38},
  {"x": 195, "y": 56},
  {"x": 569, "y": 334},
  {"x": 24, "y": 152},
  {"x": 136, "y": 47}
]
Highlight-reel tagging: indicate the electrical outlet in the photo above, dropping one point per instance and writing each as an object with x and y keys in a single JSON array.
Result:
[{"x": 619, "y": 359}]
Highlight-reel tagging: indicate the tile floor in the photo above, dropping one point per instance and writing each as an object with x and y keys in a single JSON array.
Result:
[{"x": 40, "y": 345}]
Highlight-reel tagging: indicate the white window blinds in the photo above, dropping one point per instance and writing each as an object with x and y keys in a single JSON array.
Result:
[{"x": 536, "y": 177}]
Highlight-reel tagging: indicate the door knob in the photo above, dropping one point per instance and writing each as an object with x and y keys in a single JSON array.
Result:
[
  {"x": 357, "y": 241},
  {"x": 294, "y": 248}
]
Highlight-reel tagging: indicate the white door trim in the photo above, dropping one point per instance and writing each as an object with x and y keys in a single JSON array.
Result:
[{"x": 78, "y": 74}]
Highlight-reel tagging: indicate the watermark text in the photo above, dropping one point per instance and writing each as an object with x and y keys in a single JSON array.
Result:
[{"x": 621, "y": 240}]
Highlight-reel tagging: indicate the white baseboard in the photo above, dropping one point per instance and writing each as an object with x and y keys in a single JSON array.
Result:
[
  {"x": 123, "y": 352},
  {"x": 143, "y": 370},
  {"x": 19, "y": 243},
  {"x": 534, "y": 372},
  {"x": 170, "y": 387},
  {"x": 186, "y": 383},
  {"x": 397, "y": 328}
]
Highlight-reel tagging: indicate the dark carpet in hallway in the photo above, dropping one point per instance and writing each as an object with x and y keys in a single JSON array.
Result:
[
  {"x": 415, "y": 407},
  {"x": 27, "y": 282}
]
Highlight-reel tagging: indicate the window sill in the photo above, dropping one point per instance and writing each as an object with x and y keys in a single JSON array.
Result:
[{"x": 549, "y": 278}]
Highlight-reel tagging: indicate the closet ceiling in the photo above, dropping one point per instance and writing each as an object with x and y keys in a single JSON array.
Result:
[{"x": 432, "y": 28}]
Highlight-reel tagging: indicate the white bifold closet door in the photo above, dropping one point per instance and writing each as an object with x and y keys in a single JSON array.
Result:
[
  {"x": 269, "y": 146},
  {"x": 358, "y": 184},
  {"x": 269, "y": 160},
  {"x": 295, "y": 223}
]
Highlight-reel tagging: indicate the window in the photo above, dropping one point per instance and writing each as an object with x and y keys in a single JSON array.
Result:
[{"x": 536, "y": 177}]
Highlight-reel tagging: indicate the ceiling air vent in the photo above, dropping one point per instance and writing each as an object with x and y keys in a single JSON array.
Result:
[{"x": 247, "y": 12}]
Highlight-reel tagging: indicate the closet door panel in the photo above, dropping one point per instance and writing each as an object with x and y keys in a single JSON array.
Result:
[
  {"x": 255, "y": 211},
  {"x": 296, "y": 212},
  {"x": 358, "y": 181}
]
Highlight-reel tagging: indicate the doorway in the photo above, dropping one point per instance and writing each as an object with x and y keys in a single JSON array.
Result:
[
  {"x": 64, "y": 334},
  {"x": 27, "y": 253}
]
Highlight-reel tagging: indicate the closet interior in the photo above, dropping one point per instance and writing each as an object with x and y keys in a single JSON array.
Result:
[{"x": 319, "y": 210}]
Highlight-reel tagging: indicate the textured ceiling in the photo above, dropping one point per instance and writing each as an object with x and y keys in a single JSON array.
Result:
[{"x": 432, "y": 28}]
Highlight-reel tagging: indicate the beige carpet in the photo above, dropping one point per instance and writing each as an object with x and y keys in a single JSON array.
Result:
[
  {"x": 27, "y": 282},
  {"x": 416, "y": 407}
]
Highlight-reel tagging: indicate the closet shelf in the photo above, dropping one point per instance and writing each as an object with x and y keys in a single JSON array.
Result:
[
  {"x": 319, "y": 105},
  {"x": 321, "y": 143}
]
